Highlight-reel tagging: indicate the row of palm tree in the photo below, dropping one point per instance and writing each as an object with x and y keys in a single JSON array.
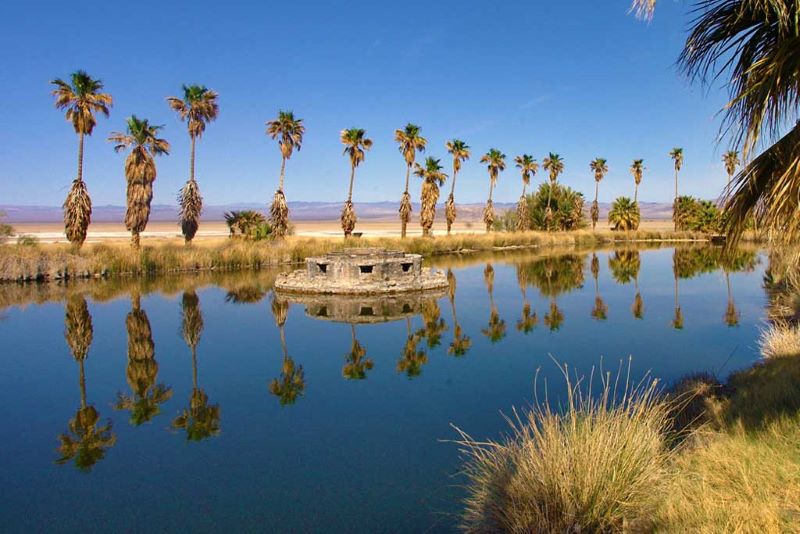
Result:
[{"x": 83, "y": 99}]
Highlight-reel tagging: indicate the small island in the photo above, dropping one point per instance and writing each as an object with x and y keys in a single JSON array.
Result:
[{"x": 362, "y": 271}]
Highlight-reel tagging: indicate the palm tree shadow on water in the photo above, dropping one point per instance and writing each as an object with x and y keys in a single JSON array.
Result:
[
  {"x": 142, "y": 371},
  {"x": 201, "y": 420},
  {"x": 84, "y": 441}
]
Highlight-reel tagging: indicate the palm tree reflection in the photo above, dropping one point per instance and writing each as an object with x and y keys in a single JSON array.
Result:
[
  {"x": 496, "y": 329},
  {"x": 461, "y": 343},
  {"x": 412, "y": 359},
  {"x": 356, "y": 365},
  {"x": 142, "y": 370},
  {"x": 433, "y": 324},
  {"x": 600, "y": 309},
  {"x": 291, "y": 383},
  {"x": 528, "y": 321},
  {"x": 625, "y": 266},
  {"x": 84, "y": 441},
  {"x": 201, "y": 420}
]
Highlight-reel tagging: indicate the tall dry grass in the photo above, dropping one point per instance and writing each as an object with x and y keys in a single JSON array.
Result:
[{"x": 595, "y": 465}]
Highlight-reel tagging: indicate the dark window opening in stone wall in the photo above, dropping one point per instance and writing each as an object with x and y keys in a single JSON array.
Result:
[
  {"x": 365, "y": 269},
  {"x": 406, "y": 267},
  {"x": 323, "y": 267},
  {"x": 366, "y": 311}
]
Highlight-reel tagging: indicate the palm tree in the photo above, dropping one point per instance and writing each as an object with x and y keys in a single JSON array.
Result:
[
  {"x": 432, "y": 178},
  {"x": 201, "y": 420},
  {"x": 289, "y": 132},
  {"x": 496, "y": 163},
  {"x": 356, "y": 365},
  {"x": 528, "y": 166},
  {"x": 677, "y": 157},
  {"x": 410, "y": 142},
  {"x": 355, "y": 144},
  {"x": 140, "y": 170},
  {"x": 461, "y": 343},
  {"x": 291, "y": 383},
  {"x": 600, "y": 168},
  {"x": 84, "y": 440},
  {"x": 198, "y": 107},
  {"x": 82, "y": 99},
  {"x": 496, "y": 329},
  {"x": 731, "y": 160},
  {"x": 637, "y": 170},
  {"x": 411, "y": 360},
  {"x": 460, "y": 152},
  {"x": 754, "y": 44},
  {"x": 554, "y": 165},
  {"x": 142, "y": 369},
  {"x": 624, "y": 214},
  {"x": 600, "y": 309}
]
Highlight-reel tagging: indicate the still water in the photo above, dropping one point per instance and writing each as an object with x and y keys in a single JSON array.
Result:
[{"x": 207, "y": 402}]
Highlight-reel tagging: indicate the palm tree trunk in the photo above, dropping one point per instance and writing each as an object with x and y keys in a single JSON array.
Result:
[
  {"x": 283, "y": 169},
  {"x": 80, "y": 157},
  {"x": 596, "y": 190},
  {"x": 491, "y": 188},
  {"x": 549, "y": 194},
  {"x": 675, "y": 204},
  {"x": 728, "y": 283},
  {"x": 191, "y": 161},
  {"x": 453, "y": 185},
  {"x": 352, "y": 177},
  {"x": 408, "y": 174},
  {"x": 636, "y": 193},
  {"x": 283, "y": 344},
  {"x": 135, "y": 241}
]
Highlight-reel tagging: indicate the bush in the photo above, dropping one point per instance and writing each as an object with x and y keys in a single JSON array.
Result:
[
  {"x": 595, "y": 466},
  {"x": 565, "y": 203},
  {"x": 506, "y": 222},
  {"x": 624, "y": 214},
  {"x": 691, "y": 214},
  {"x": 6, "y": 230}
]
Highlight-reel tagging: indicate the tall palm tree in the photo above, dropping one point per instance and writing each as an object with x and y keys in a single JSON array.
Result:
[
  {"x": 356, "y": 364},
  {"x": 356, "y": 144},
  {"x": 84, "y": 441},
  {"x": 460, "y": 152},
  {"x": 410, "y": 142},
  {"x": 82, "y": 99},
  {"x": 496, "y": 328},
  {"x": 461, "y": 343},
  {"x": 554, "y": 165},
  {"x": 754, "y": 44},
  {"x": 432, "y": 178},
  {"x": 142, "y": 370},
  {"x": 289, "y": 132},
  {"x": 637, "y": 171},
  {"x": 140, "y": 170},
  {"x": 291, "y": 384},
  {"x": 202, "y": 419},
  {"x": 496, "y": 163},
  {"x": 599, "y": 166},
  {"x": 528, "y": 166},
  {"x": 731, "y": 161},
  {"x": 198, "y": 107},
  {"x": 677, "y": 158}
]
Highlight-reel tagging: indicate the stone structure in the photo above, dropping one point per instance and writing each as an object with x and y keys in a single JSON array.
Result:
[
  {"x": 361, "y": 271},
  {"x": 362, "y": 309}
]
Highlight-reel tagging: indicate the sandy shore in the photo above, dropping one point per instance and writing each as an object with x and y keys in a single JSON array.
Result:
[{"x": 214, "y": 230}]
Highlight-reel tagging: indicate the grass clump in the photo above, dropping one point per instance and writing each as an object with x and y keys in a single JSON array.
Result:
[
  {"x": 593, "y": 465},
  {"x": 781, "y": 341}
]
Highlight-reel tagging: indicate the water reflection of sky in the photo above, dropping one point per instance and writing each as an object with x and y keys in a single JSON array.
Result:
[{"x": 347, "y": 453}]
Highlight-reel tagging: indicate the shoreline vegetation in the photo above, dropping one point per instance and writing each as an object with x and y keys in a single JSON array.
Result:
[
  {"x": 701, "y": 455},
  {"x": 29, "y": 261}
]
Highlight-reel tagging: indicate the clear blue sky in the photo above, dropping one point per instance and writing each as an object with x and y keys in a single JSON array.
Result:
[{"x": 580, "y": 78}]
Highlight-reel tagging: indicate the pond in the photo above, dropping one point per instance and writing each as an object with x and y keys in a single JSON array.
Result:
[{"x": 207, "y": 402}]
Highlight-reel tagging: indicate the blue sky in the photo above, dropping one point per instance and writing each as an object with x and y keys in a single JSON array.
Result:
[{"x": 580, "y": 78}]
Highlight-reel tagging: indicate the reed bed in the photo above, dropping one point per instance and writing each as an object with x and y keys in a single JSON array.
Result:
[{"x": 55, "y": 262}]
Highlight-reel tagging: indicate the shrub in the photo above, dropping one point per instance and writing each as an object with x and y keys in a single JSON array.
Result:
[
  {"x": 691, "y": 214},
  {"x": 596, "y": 466},
  {"x": 506, "y": 222},
  {"x": 6, "y": 230},
  {"x": 624, "y": 214},
  {"x": 566, "y": 205},
  {"x": 249, "y": 224}
]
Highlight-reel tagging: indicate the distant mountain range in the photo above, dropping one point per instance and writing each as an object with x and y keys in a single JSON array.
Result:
[{"x": 301, "y": 211}]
